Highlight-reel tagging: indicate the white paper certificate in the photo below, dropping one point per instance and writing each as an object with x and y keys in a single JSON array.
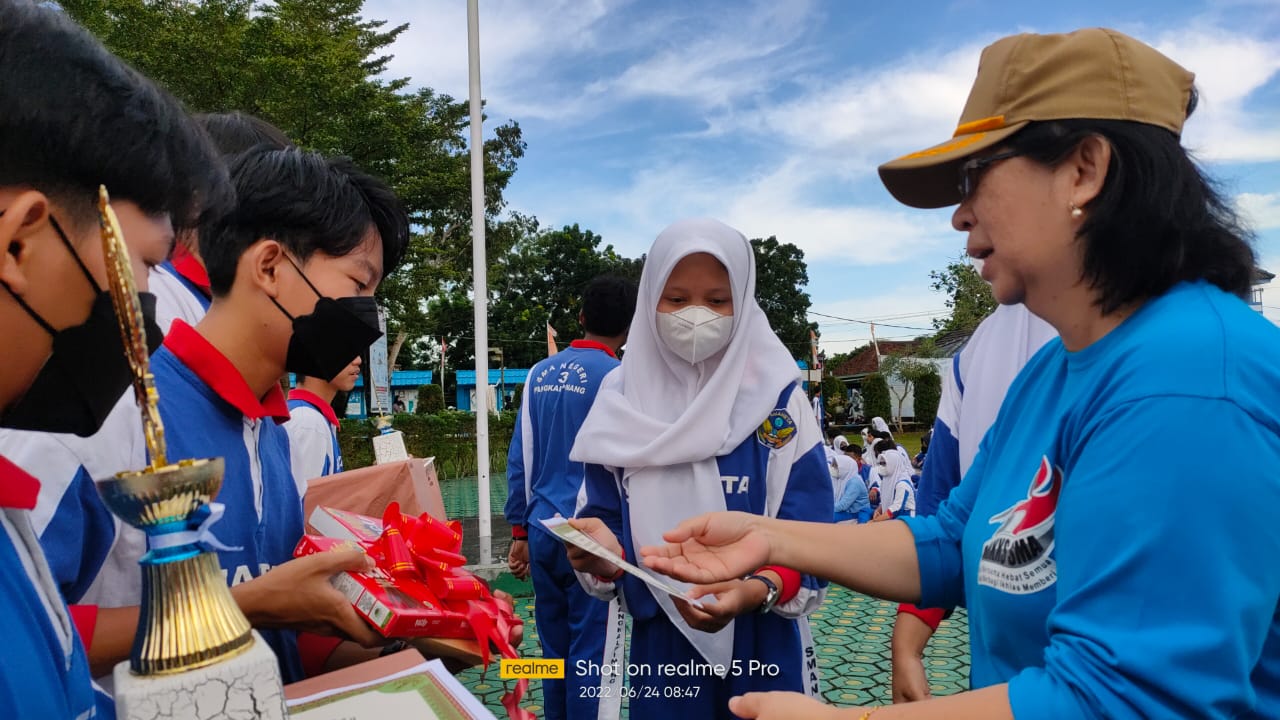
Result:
[{"x": 568, "y": 533}]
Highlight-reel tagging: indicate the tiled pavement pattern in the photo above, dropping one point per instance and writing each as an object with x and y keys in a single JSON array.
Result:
[
  {"x": 461, "y": 503},
  {"x": 852, "y": 632}
]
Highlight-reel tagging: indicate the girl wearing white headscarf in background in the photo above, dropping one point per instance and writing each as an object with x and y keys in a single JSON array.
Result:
[
  {"x": 705, "y": 413},
  {"x": 897, "y": 494}
]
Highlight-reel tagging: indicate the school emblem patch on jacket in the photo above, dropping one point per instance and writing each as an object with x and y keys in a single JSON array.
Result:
[
  {"x": 1018, "y": 558},
  {"x": 777, "y": 430}
]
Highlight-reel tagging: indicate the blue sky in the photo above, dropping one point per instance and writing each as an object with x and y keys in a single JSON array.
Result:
[{"x": 773, "y": 116}]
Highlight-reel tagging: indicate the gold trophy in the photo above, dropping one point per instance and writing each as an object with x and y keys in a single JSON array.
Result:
[{"x": 190, "y": 630}]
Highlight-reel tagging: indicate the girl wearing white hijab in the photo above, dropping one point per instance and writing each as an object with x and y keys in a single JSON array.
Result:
[
  {"x": 897, "y": 495},
  {"x": 705, "y": 413}
]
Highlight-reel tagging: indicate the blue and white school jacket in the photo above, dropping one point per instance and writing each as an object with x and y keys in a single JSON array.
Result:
[
  {"x": 92, "y": 554},
  {"x": 779, "y": 471},
  {"x": 47, "y": 673},
  {"x": 313, "y": 438},
  {"x": 542, "y": 481},
  {"x": 209, "y": 411},
  {"x": 180, "y": 289}
]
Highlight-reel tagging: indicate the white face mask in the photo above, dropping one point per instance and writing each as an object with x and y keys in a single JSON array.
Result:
[{"x": 695, "y": 333}]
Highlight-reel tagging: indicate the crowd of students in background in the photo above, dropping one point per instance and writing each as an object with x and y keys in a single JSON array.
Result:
[{"x": 887, "y": 475}]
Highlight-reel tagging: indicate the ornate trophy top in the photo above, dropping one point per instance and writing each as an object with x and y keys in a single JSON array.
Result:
[
  {"x": 124, "y": 295},
  {"x": 188, "y": 618}
]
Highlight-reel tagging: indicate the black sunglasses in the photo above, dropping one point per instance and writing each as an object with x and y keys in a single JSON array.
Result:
[{"x": 972, "y": 169}]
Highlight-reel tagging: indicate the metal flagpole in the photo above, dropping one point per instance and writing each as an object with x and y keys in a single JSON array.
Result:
[{"x": 481, "y": 284}]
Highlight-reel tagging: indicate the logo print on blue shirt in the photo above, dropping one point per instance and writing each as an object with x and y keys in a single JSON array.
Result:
[
  {"x": 1017, "y": 559},
  {"x": 777, "y": 430}
]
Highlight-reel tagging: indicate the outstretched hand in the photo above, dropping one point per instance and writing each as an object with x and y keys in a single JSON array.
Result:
[
  {"x": 780, "y": 706},
  {"x": 710, "y": 548}
]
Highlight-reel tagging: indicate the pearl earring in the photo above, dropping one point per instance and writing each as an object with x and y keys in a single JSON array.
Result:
[{"x": 1076, "y": 212}]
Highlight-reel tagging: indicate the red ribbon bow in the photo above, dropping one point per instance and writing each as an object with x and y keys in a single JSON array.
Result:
[{"x": 422, "y": 555}]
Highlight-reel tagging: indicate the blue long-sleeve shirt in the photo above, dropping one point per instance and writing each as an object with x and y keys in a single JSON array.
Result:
[{"x": 1096, "y": 584}]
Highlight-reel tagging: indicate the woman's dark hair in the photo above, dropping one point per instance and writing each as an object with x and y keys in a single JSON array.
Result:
[
  {"x": 1157, "y": 221},
  {"x": 306, "y": 202},
  {"x": 607, "y": 305},
  {"x": 76, "y": 117}
]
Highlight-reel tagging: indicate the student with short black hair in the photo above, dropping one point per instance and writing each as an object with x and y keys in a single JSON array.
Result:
[
  {"x": 293, "y": 271},
  {"x": 181, "y": 283},
  {"x": 75, "y": 118},
  {"x": 94, "y": 556}
]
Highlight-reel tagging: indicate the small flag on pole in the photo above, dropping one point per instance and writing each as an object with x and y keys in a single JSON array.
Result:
[{"x": 551, "y": 340}]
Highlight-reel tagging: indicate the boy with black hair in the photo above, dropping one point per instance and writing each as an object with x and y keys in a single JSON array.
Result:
[
  {"x": 543, "y": 482},
  {"x": 76, "y": 118},
  {"x": 293, "y": 271},
  {"x": 181, "y": 283},
  {"x": 92, "y": 555},
  {"x": 313, "y": 424}
]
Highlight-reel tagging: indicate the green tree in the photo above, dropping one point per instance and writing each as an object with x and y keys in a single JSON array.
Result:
[
  {"x": 875, "y": 396},
  {"x": 968, "y": 296},
  {"x": 835, "y": 396},
  {"x": 430, "y": 400},
  {"x": 539, "y": 280},
  {"x": 837, "y": 360},
  {"x": 781, "y": 276},
  {"x": 928, "y": 392},
  {"x": 904, "y": 369},
  {"x": 316, "y": 69}
]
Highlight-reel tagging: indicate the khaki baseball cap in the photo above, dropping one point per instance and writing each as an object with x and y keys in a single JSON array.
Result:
[{"x": 1094, "y": 73}]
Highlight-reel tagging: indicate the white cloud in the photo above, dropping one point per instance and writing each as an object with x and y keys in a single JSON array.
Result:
[
  {"x": 570, "y": 60},
  {"x": 903, "y": 105},
  {"x": 1262, "y": 210},
  {"x": 842, "y": 233},
  {"x": 714, "y": 61},
  {"x": 777, "y": 202},
  {"x": 1230, "y": 68},
  {"x": 913, "y": 101},
  {"x": 912, "y": 299},
  {"x": 519, "y": 43}
]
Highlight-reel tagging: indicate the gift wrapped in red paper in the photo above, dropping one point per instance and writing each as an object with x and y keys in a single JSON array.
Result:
[{"x": 419, "y": 588}]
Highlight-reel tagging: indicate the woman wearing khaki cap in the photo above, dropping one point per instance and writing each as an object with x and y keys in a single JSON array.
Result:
[{"x": 1099, "y": 582}]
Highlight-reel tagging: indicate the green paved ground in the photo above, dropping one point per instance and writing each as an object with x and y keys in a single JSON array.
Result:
[{"x": 852, "y": 632}]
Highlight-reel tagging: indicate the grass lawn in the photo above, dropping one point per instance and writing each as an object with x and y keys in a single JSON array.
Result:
[{"x": 909, "y": 439}]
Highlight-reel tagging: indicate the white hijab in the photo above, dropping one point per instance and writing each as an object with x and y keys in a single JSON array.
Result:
[
  {"x": 894, "y": 467},
  {"x": 664, "y": 421}
]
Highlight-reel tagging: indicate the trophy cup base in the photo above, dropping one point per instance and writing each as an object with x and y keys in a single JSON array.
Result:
[{"x": 246, "y": 686}]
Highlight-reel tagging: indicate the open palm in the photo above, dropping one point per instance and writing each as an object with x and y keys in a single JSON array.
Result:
[{"x": 710, "y": 548}]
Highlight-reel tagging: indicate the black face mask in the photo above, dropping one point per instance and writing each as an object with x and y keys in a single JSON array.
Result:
[
  {"x": 87, "y": 372},
  {"x": 334, "y": 334}
]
